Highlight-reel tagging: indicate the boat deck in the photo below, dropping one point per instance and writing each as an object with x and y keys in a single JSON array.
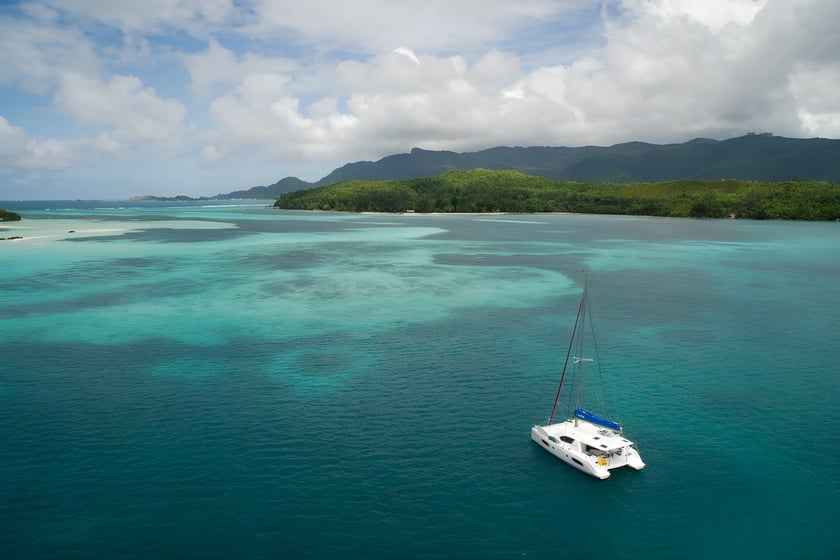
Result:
[{"x": 589, "y": 434}]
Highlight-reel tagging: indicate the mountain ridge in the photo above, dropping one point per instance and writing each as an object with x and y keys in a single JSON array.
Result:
[{"x": 754, "y": 157}]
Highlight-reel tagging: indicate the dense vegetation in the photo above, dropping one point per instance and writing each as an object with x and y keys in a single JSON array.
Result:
[
  {"x": 7, "y": 216},
  {"x": 482, "y": 190}
]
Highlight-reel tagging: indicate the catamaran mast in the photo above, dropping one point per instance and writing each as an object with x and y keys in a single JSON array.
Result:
[
  {"x": 580, "y": 358},
  {"x": 581, "y": 308}
]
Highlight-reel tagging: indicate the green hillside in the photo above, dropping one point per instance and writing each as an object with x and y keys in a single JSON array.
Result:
[
  {"x": 7, "y": 216},
  {"x": 483, "y": 190}
]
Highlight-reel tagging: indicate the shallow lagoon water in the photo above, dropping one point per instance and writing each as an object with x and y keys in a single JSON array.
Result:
[{"x": 245, "y": 382}]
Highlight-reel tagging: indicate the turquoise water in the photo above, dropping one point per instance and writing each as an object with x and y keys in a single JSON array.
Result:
[{"x": 240, "y": 382}]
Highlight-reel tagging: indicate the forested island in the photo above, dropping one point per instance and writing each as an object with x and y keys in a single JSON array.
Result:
[
  {"x": 7, "y": 216},
  {"x": 483, "y": 190}
]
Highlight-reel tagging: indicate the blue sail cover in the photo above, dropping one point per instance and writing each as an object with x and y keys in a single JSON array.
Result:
[{"x": 584, "y": 414}]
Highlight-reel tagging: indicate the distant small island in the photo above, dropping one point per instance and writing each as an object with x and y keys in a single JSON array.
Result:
[
  {"x": 484, "y": 190},
  {"x": 7, "y": 216}
]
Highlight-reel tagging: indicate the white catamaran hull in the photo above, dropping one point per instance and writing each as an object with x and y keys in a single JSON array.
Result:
[{"x": 587, "y": 447}]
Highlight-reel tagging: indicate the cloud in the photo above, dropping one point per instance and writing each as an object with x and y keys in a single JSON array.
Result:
[
  {"x": 131, "y": 114},
  {"x": 31, "y": 51},
  {"x": 220, "y": 66},
  {"x": 668, "y": 71},
  {"x": 814, "y": 91},
  {"x": 17, "y": 150},
  {"x": 722, "y": 68},
  {"x": 261, "y": 120},
  {"x": 713, "y": 14},
  {"x": 196, "y": 17},
  {"x": 372, "y": 26},
  {"x": 392, "y": 103},
  {"x": 125, "y": 117}
]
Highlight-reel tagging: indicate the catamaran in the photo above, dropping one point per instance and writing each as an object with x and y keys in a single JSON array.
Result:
[{"x": 586, "y": 441}]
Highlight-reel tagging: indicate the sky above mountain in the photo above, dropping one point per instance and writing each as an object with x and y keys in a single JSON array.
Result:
[{"x": 105, "y": 99}]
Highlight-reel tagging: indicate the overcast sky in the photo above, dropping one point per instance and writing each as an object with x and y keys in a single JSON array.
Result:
[{"x": 109, "y": 99}]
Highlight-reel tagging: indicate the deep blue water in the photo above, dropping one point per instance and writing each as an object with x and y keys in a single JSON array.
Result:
[{"x": 216, "y": 382}]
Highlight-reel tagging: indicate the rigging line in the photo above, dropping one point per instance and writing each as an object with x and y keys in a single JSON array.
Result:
[
  {"x": 601, "y": 381},
  {"x": 581, "y": 341},
  {"x": 606, "y": 387},
  {"x": 566, "y": 362}
]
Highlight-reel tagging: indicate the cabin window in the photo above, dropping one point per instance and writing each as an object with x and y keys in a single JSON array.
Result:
[
  {"x": 567, "y": 439},
  {"x": 576, "y": 461},
  {"x": 552, "y": 438}
]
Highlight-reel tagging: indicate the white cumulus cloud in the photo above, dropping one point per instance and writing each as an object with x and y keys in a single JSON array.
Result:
[
  {"x": 17, "y": 150},
  {"x": 132, "y": 115}
]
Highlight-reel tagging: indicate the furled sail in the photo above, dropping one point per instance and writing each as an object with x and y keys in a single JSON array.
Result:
[{"x": 584, "y": 414}]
